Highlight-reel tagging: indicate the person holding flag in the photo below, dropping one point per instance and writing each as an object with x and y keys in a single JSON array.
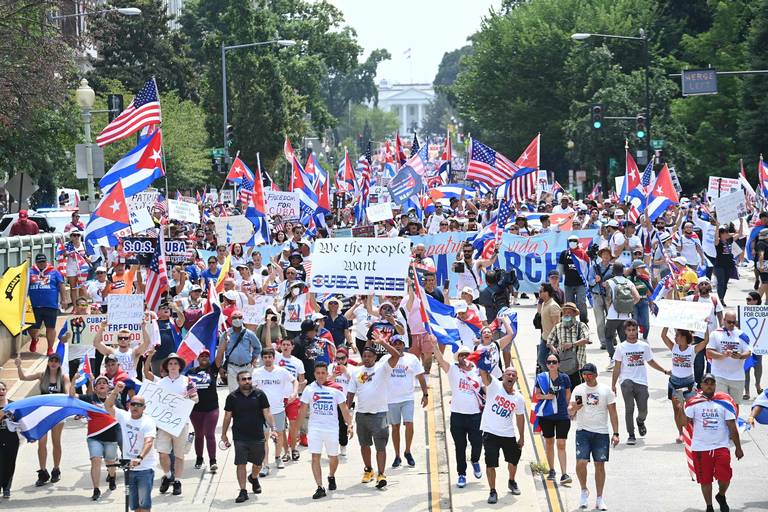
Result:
[
  {"x": 552, "y": 393},
  {"x": 102, "y": 435},
  {"x": 51, "y": 380}
]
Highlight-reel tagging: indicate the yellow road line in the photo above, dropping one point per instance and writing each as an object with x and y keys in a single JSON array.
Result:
[
  {"x": 434, "y": 468},
  {"x": 551, "y": 490}
]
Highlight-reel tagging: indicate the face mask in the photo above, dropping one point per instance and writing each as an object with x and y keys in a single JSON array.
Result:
[
  {"x": 295, "y": 292},
  {"x": 573, "y": 245},
  {"x": 567, "y": 320},
  {"x": 237, "y": 322}
]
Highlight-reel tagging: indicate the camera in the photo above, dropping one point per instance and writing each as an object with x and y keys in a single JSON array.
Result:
[
  {"x": 592, "y": 251},
  {"x": 458, "y": 267}
]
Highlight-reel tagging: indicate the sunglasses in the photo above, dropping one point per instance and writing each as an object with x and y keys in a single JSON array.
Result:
[
  {"x": 243, "y": 379},
  {"x": 552, "y": 362},
  {"x": 137, "y": 404},
  {"x": 125, "y": 338},
  {"x": 730, "y": 322}
]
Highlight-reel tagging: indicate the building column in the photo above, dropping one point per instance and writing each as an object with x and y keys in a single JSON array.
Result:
[{"x": 403, "y": 119}]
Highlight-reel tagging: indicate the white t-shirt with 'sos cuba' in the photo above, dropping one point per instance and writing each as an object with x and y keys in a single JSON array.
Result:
[
  {"x": 500, "y": 410},
  {"x": 322, "y": 402},
  {"x": 465, "y": 386}
]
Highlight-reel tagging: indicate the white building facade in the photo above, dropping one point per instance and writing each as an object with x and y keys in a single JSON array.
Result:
[{"x": 408, "y": 101}]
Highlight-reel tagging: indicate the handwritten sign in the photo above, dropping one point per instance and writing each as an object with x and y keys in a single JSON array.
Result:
[
  {"x": 719, "y": 186},
  {"x": 143, "y": 200},
  {"x": 285, "y": 204},
  {"x": 253, "y": 314},
  {"x": 692, "y": 316},
  {"x": 183, "y": 211},
  {"x": 227, "y": 196},
  {"x": 730, "y": 207},
  {"x": 125, "y": 310},
  {"x": 379, "y": 212},
  {"x": 377, "y": 266},
  {"x": 83, "y": 329},
  {"x": 753, "y": 321},
  {"x": 169, "y": 410},
  {"x": 240, "y": 229}
]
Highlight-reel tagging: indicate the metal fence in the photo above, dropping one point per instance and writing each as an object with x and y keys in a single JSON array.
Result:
[{"x": 15, "y": 249}]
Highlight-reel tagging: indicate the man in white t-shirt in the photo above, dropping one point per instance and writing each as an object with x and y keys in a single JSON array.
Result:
[
  {"x": 95, "y": 287},
  {"x": 127, "y": 357},
  {"x": 280, "y": 386},
  {"x": 728, "y": 347},
  {"x": 704, "y": 295},
  {"x": 631, "y": 357},
  {"x": 499, "y": 431},
  {"x": 614, "y": 319},
  {"x": 138, "y": 437},
  {"x": 592, "y": 404},
  {"x": 323, "y": 400},
  {"x": 400, "y": 397},
  {"x": 370, "y": 385},
  {"x": 714, "y": 426}
]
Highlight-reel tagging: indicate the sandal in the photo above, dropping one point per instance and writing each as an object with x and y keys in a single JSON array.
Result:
[
  {"x": 294, "y": 455},
  {"x": 286, "y": 458}
]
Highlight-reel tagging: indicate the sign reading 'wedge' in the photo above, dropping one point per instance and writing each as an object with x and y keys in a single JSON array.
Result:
[{"x": 377, "y": 266}]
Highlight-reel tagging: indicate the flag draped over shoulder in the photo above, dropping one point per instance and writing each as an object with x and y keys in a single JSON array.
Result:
[
  {"x": 14, "y": 286},
  {"x": 720, "y": 398}
]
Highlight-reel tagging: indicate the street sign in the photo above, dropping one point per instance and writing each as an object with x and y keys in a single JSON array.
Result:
[
  {"x": 658, "y": 143},
  {"x": 21, "y": 186},
  {"x": 218, "y": 152},
  {"x": 697, "y": 82},
  {"x": 675, "y": 180},
  {"x": 97, "y": 157}
]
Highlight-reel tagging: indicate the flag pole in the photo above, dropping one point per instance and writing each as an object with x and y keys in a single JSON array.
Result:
[{"x": 162, "y": 151}]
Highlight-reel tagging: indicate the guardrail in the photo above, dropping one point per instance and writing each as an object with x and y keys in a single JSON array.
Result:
[{"x": 15, "y": 249}]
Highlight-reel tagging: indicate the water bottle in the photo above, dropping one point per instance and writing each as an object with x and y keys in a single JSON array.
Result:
[{"x": 190, "y": 442}]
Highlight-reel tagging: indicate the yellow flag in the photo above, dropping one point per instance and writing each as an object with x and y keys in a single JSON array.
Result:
[
  {"x": 13, "y": 295},
  {"x": 29, "y": 315},
  {"x": 223, "y": 274}
]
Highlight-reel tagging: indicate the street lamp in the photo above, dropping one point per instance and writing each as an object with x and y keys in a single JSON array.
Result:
[
  {"x": 85, "y": 98},
  {"x": 224, "y": 50},
  {"x": 581, "y": 36},
  {"x": 125, "y": 11}
]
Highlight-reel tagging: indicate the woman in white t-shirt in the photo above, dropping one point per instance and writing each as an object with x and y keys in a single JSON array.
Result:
[
  {"x": 495, "y": 346},
  {"x": 681, "y": 384},
  {"x": 294, "y": 308}
]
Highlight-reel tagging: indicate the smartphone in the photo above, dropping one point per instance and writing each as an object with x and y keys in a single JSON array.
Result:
[{"x": 578, "y": 400}]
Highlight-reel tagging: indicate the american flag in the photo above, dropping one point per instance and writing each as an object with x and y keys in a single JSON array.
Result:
[
  {"x": 415, "y": 145},
  {"x": 143, "y": 111},
  {"x": 521, "y": 186},
  {"x": 489, "y": 167},
  {"x": 157, "y": 277},
  {"x": 503, "y": 217},
  {"x": 246, "y": 190},
  {"x": 647, "y": 177}
]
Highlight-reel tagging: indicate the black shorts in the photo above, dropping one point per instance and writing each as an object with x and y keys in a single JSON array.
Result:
[
  {"x": 45, "y": 316},
  {"x": 249, "y": 451},
  {"x": 554, "y": 428},
  {"x": 764, "y": 277},
  {"x": 493, "y": 443}
]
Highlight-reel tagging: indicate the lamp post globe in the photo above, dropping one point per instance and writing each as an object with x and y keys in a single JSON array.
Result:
[{"x": 84, "y": 95}]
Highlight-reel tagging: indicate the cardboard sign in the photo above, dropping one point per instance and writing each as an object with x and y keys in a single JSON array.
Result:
[
  {"x": 285, "y": 204},
  {"x": 753, "y": 321},
  {"x": 141, "y": 220},
  {"x": 677, "y": 314},
  {"x": 377, "y": 266},
  {"x": 719, "y": 186},
  {"x": 227, "y": 196},
  {"x": 143, "y": 200},
  {"x": 85, "y": 327},
  {"x": 254, "y": 314},
  {"x": 730, "y": 207},
  {"x": 240, "y": 229},
  {"x": 169, "y": 410},
  {"x": 124, "y": 310},
  {"x": 183, "y": 211},
  {"x": 379, "y": 212}
]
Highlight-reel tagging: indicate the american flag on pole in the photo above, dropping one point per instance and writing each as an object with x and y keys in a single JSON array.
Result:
[
  {"x": 143, "y": 111},
  {"x": 520, "y": 187},
  {"x": 157, "y": 277},
  {"x": 490, "y": 167}
]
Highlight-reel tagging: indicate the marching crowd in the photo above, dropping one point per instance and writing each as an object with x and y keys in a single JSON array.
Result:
[{"x": 317, "y": 372}]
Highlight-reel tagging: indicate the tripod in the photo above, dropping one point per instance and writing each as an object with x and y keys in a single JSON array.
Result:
[{"x": 125, "y": 465}]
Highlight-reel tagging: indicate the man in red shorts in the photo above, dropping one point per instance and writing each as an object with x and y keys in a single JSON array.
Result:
[{"x": 713, "y": 419}]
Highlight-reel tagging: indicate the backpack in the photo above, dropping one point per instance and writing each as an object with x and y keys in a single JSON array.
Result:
[
  {"x": 500, "y": 298},
  {"x": 621, "y": 295}
]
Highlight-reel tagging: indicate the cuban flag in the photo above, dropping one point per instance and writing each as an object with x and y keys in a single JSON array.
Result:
[
  {"x": 631, "y": 177},
  {"x": 557, "y": 190},
  {"x": 62, "y": 348},
  {"x": 530, "y": 157},
  {"x": 445, "y": 160},
  {"x": 203, "y": 335},
  {"x": 33, "y": 417},
  {"x": 443, "y": 322},
  {"x": 472, "y": 320},
  {"x": 399, "y": 153},
  {"x": 662, "y": 195},
  {"x": 84, "y": 372},
  {"x": 110, "y": 220},
  {"x": 138, "y": 168},
  {"x": 314, "y": 168},
  {"x": 256, "y": 210},
  {"x": 542, "y": 407},
  {"x": 444, "y": 193},
  {"x": 762, "y": 174}
]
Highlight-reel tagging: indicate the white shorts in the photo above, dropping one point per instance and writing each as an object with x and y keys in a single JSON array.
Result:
[{"x": 319, "y": 438}]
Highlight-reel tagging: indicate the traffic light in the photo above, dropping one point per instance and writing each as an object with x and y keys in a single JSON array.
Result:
[
  {"x": 640, "y": 127},
  {"x": 230, "y": 135},
  {"x": 114, "y": 105},
  {"x": 598, "y": 111}
]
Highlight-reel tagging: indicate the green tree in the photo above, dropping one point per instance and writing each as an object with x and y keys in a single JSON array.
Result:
[
  {"x": 188, "y": 161},
  {"x": 381, "y": 124},
  {"x": 132, "y": 49},
  {"x": 753, "y": 124}
]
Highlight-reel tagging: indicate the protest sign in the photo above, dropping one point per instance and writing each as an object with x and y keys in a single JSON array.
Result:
[
  {"x": 143, "y": 200},
  {"x": 85, "y": 327},
  {"x": 377, "y": 266},
  {"x": 254, "y": 313},
  {"x": 141, "y": 220},
  {"x": 753, "y": 321},
  {"x": 676, "y": 314},
  {"x": 730, "y": 207},
  {"x": 240, "y": 229},
  {"x": 404, "y": 184},
  {"x": 169, "y": 410},
  {"x": 125, "y": 310},
  {"x": 177, "y": 251},
  {"x": 183, "y": 211},
  {"x": 382, "y": 192},
  {"x": 379, "y": 212},
  {"x": 227, "y": 196},
  {"x": 719, "y": 186},
  {"x": 139, "y": 245},
  {"x": 285, "y": 204}
]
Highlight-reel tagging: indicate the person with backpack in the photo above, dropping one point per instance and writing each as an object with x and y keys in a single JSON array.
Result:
[
  {"x": 620, "y": 297},
  {"x": 704, "y": 295},
  {"x": 602, "y": 271}
]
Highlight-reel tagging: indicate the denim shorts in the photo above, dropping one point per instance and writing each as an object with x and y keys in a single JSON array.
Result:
[
  {"x": 107, "y": 450},
  {"x": 400, "y": 413},
  {"x": 681, "y": 388},
  {"x": 592, "y": 444},
  {"x": 141, "y": 488}
]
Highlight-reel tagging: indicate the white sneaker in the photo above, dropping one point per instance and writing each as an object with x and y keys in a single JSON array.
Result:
[
  {"x": 610, "y": 365},
  {"x": 279, "y": 464},
  {"x": 343, "y": 451},
  {"x": 584, "y": 500},
  {"x": 600, "y": 504},
  {"x": 264, "y": 471}
]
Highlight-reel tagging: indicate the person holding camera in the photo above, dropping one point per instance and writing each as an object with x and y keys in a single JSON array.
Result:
[{"x": 469, "y": 269}]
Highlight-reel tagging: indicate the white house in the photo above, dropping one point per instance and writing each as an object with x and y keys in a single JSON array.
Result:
[{"x": 408, "y": 101}]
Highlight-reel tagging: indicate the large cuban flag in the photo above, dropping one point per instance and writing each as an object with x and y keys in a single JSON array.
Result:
[{"x": 33, "y": 417}]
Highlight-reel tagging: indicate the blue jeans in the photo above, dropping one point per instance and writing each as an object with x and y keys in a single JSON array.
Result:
[
  {"x": 592, "y": 445},
  {"x": 140, "y": 483},
  {"x": 642, "y": 316},
  {"x": 578, "y": 294}
]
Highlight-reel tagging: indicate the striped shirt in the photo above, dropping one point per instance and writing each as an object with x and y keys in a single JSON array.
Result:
[{"x": 561, "y": 334}]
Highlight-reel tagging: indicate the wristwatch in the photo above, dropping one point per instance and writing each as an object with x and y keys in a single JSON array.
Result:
[
  {"x": 616, "y": 434},
  {"x": 140, "y": 457}
]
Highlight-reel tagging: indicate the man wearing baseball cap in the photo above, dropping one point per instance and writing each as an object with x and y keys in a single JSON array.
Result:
[
  {"x": 24, "y": 226},
  {"x": 46, "y": 288},
  {"x": 592, "y": 405}
]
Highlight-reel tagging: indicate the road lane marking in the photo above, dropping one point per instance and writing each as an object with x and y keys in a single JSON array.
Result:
[{"x": 432, "y": 464}]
